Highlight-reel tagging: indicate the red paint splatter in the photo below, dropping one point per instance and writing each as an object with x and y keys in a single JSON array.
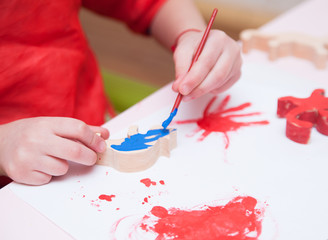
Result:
[
  {"x": 146, "y": 199},
  {"x": 239, "y": 219},
  {"x": 95, "y": 203},
  {"x": 106, "y": 197},
  {"x": 162, "y": 182},
  {"x": 217, "y": 121},
  {"x": 147, "y": 182}
]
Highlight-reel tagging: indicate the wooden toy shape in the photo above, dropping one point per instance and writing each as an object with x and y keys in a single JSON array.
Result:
[
  {"x": 314, "y": 49},
  {"x": 149, "y": 147},
  {"x": 304, "y": 113}
]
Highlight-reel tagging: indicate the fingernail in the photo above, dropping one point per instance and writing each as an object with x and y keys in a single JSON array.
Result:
[{"x": 103, "y": 146}]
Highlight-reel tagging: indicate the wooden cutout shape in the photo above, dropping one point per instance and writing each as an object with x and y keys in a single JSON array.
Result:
[
  {"x": 139, "y": 160},
  {"x": 304, "y": 113},
  {"x": 312, "y": 48}
]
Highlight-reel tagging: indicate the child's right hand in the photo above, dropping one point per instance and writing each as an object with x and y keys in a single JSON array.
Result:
[{"x": 33, "y": 150}]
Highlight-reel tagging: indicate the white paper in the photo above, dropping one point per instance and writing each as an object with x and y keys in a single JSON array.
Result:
[{"x": 261, "y": 162}]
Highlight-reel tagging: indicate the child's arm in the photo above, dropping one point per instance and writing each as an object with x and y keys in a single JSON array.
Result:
[
  {"x": 218, "y": 66},
  {"x": 35, "y": 149}
]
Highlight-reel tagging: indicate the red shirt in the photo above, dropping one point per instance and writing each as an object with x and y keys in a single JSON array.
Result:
[{"x": 46, "y": 65}]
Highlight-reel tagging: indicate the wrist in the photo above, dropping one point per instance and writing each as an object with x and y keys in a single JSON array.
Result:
[{"x": 173, "y": 47}]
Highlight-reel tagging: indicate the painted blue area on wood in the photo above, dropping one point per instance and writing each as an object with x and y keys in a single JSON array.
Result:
[
  {"x": 139, "y": 141},
  {"x": 167, "y": 122}
]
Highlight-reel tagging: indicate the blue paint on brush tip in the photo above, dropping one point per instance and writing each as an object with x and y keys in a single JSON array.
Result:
[
  {"x": 139, "y": 141},
  {"x": 167, "y": 122}
]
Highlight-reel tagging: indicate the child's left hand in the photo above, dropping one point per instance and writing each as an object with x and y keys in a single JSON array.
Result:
[{"x": 217, "y": 68}]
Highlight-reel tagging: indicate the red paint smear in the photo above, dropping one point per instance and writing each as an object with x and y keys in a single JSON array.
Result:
[
  {"x": 106, "y": 197},
  {"x": 220, "y": 120},
  {"x": 147, "y": 182},
  {"x": 162, "y": 182},
  {"x": 239, "y": 219}
]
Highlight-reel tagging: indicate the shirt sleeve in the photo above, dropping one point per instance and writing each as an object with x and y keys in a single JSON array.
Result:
[{"x": 137, "y": 14}]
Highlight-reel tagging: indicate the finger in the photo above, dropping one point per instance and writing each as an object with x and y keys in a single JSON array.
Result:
[
  {"x": 52, "y": 166},
  {"x": 177, "y": 83},
  {"x": 104, "y": 133},
  {"x": 201, "y": 69},
  {"x": 236, "y": 73},
  {"x": 75, "y": 129},
  {"x": 228, "y": 84},
  {"x": 183, "y": 57},
  {"x": 39, "y": 178},
  {"x": 214, "y": 79},
  {"x": 196, "y": 76},
  {"x": 226, "y": 72},
  {"x": 34, "y": 178},
  {"x": 70, "y": 150}
]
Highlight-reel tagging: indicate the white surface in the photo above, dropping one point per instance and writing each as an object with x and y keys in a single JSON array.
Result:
[
  {"x": 276, "y": 6},
  {"x": 260, "y": 162}
]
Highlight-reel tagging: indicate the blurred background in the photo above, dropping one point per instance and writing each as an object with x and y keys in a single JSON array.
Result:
[{"x": 134, "y": 66}]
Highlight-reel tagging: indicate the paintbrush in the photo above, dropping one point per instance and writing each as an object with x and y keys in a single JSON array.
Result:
[{"x": 174, "y": 110}]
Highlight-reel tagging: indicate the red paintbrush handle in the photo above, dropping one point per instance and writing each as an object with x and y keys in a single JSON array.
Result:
[
  {"x": 177, "y": 102},
  {"x": 198, "y": 52}
]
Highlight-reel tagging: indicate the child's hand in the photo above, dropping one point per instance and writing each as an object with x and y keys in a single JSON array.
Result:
[
  {"x": 35, "y": 149},
  {"x": 216, "y": 70}
]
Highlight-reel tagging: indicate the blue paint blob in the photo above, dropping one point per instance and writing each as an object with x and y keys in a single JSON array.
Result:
[
  {"x": 139, "y": 141},
  {"x": 167, "y": 122}
]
